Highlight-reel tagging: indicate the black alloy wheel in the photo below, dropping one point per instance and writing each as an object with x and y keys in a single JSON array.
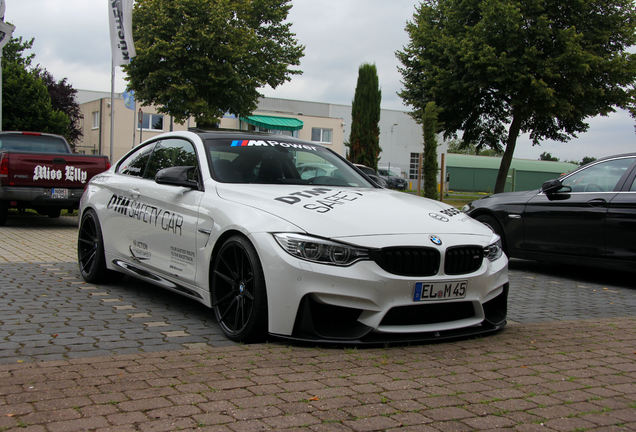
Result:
[
  {"x": 90, "y": 248},
  {"x": 238, "y": 292}
]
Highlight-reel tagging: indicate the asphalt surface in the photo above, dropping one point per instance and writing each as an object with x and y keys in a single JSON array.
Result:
[{"x": 128, "y": 356}]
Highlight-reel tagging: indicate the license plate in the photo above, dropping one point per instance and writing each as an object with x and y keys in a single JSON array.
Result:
[
  {"x": 59, "y": 193},
  {"x": 427, "y": 291}
]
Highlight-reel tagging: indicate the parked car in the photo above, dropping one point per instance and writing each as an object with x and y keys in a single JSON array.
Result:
[
  {"x": 587, "y": 217},
  {"x": 39, "y": 171},
  {"x": 311, "y": 170},
  {"x": 372, "y": 174},
  {"x": 393, "y": 178},
  {"x": 225, "y": 218}
]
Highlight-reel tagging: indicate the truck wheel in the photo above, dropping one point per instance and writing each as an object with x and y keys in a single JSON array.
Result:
[
  {"x": 90, "y": 248},
  {"x": 4, "y": 210}
]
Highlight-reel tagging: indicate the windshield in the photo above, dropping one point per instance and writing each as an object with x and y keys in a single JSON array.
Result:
[{"x": 279, "y": 162}]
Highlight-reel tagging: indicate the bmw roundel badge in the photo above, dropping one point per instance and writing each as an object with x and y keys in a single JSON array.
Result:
[{"x": 436, "y": 240}]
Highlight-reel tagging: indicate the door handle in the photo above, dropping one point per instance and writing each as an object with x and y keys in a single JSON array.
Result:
[
  {"x": 135, "y": 193},
  {"x": 597, "y": 202}
]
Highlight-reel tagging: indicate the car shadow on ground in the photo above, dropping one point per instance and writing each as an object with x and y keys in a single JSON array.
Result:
[
  {"x": 32, "y": 220},
  {"x": 580, "y": 273}
]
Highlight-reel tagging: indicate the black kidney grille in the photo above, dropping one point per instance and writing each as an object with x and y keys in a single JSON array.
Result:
[
  {"x": 463, "y": 259},
  {"x": 408, "y": 261}
]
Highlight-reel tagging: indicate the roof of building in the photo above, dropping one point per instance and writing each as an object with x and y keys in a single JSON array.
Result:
[{"x": 489, "y": 162}]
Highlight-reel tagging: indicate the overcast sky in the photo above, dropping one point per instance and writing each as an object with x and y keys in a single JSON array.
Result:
[{"x": 72, "y": 41}]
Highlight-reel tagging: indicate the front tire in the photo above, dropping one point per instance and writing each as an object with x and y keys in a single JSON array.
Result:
[
  {"x": 90, "y": 248},
  {"x": 495, "y": 227},
  {"x": 239, "y": 299}
]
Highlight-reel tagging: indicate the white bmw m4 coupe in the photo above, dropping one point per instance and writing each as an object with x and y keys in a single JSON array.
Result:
[{"x": 236, "y": 221}]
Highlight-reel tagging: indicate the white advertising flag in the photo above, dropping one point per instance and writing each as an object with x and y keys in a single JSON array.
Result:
[
  {"x": 120, "y": 22},
  {"x": 6, "y": 30}
]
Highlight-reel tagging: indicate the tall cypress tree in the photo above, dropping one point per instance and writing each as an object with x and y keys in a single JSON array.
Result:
[
  {"x": 429, "y": 164},
  {"x": 364, "y": 140}
]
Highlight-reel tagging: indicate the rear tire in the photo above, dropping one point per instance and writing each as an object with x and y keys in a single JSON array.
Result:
[
  {"x": 237, "y": 288},
  {"x": 90, "y": 248},
  {"x": 495, "y": 226},
  {"x": 4, "y": 211}
]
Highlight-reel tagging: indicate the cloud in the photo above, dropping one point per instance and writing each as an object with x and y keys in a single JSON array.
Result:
[{"x": 72, "y": 41}]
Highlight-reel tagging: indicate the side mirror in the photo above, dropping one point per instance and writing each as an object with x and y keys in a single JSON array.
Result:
[
  {"x": 176, "y": 176},
  {"x": 553, "y": 186}
]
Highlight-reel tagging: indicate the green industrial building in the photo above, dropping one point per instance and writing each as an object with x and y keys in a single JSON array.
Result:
[{"x": 478, "y": 173}]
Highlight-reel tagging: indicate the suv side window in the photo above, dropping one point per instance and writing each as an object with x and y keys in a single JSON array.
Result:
[
  {"x": 172, "y": 152},
  {"x": 135, "y": 164}
]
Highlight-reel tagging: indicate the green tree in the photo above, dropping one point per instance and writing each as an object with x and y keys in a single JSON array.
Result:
[
  {"x": 204, "y": 58},
  {"x": 364, "y": 139},
  {"x": 26, "y": 104},
  {"x": 545, "y": 156},
  {"x": 586, "y": 160},
  {"x": 62, "y": 96},
  {"x": 499, "y": 68},
  {"x": 459, "y": 146},
  {"x": 429, "y": 163}
]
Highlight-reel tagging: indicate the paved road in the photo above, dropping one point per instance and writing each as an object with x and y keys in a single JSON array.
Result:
[
  {"x": 49, "y": 313},
  {"x": 129, "y": 357}
]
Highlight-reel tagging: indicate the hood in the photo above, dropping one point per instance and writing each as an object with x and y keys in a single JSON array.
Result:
[
  {"x": 337, "y": 212},
  {"x": 520, "y": 197}
]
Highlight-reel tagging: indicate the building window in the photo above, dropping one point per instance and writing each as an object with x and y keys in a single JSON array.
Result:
[
  {"x": 152, "y": 122},
  {"x": 414, "y": 163},
  {"x": 95, "y": 117},
  {"x": 321, "y": 135},
  {"x": 273, "y": 131}
]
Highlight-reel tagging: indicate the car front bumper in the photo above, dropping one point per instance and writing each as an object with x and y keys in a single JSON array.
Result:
[{"x": 363, "y": 303}]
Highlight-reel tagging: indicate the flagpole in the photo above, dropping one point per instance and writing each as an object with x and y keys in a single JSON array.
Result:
[
  {"x": 134, "y": 122},
  {"x": 0, "y": 89},
  {"x": 112, "y": 107}
]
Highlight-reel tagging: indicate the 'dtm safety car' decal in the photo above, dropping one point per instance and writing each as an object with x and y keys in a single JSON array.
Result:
[
  {"x": 318, "y": 199},
  {"x": 160, "y": 218},
  {"x": 71, "y": 173},
  {"x": 263, "y": 143}
]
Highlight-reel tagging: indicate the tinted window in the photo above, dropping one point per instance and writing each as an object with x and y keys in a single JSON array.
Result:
[
  {"x": 600, "y": 177},
  {"x": 135, "y": 164},
  {"x": 278, "y": 162},
  {"x": 33, "y": 143},
  {"x": 170, "y": 153}
]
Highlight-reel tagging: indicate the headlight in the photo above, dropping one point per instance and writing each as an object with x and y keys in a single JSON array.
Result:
[
  {"x": 320, "y": 250},
  {"x": 493, "y": 251}
]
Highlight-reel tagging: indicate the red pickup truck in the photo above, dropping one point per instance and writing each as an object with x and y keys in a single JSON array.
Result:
[{"x": 39, "y": 171}]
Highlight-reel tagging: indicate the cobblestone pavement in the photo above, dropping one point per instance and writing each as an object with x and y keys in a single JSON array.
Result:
[{"x": 127, "y": 356}]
